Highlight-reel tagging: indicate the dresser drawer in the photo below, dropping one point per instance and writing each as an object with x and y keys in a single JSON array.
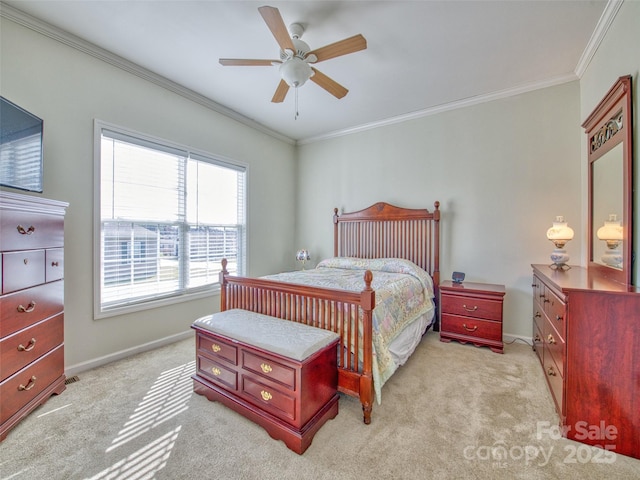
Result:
[
  {"x": 557, "y": 311},
  {"x": 26, "y": 307},
  {"x": 538, "y": 343},
  {"x": 556, "y": 383},
  {"x": 215, "y": 347},
  {"x": 555, "y": 346},
  {"x": 268, "y": 368},
  {"x": 27, "y": 230},
  {"x": 472, "y": 307},
  {"x": 22, "y": 269},
  {"x": 471, "y": 327},
  {"x": 22, "y": 348},
  {"x": 22, "y": 387},
  {"x": 218, "y": 373},
  {"x": 54, "y": 264},
  {"x": 269, "y": 399}
]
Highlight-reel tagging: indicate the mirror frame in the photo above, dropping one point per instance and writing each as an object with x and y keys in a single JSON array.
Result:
[{"x": 603, "y": 134}]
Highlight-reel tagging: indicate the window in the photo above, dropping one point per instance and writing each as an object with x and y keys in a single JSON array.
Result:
[{"x": 168, "y": 216}]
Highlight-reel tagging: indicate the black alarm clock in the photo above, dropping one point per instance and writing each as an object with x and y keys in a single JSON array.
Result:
[{"x": 457, "y": 277}]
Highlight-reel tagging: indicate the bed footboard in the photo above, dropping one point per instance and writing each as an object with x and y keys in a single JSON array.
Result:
[{"x": 336, "y": 310}]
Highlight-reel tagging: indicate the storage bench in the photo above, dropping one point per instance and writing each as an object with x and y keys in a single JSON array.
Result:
[{"x": 282, "y": 375}]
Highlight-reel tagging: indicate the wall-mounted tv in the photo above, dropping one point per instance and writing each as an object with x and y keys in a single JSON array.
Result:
[{"x": 20, "y": 148}]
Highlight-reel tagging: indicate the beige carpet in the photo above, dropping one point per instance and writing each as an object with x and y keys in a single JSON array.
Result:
[{"x": 453, "y": 411}]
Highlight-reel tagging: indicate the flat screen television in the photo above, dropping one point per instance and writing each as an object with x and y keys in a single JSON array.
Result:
[{"x": 20, "y": 148}]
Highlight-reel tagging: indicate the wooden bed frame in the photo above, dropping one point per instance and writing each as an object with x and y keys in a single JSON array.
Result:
[{"x": 379, "y": 231}]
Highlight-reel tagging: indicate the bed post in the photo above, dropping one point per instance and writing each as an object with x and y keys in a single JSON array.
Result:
[
  {"x": 436, "y": 262},
  {"x": 223, "y": 285},
  {"x": 335, "y": 232},
  {"x": 367, "y": 302}
]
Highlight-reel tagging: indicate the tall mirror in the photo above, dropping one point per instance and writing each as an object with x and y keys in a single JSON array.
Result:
[{"x": 609, "y": 143}]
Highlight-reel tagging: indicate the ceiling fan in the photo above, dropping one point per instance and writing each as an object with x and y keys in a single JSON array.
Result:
[{"x": 296, "y": 56}]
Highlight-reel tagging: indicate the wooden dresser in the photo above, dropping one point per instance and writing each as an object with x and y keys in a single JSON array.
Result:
[
  {"x": 586, "y": 332},
  {"x": 472, "y": 312},
  {"x": 31, "y": 304}
]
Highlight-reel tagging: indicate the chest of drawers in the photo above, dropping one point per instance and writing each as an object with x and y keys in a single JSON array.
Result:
[
  {"x": 31, "y": 304},
  {"x": 586, "y": 336},
  {"x": 290, "y": 398},
  {"x": 472, "y": 312}
]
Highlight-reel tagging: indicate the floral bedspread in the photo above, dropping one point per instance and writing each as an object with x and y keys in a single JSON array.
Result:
[{"x": 404, "y": 292}]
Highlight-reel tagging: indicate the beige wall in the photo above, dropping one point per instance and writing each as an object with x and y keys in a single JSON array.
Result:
[
  {"x": 618, "y": 55},
  {"x": 501, "y": 170},
  {"x": 68, "y": 89}
]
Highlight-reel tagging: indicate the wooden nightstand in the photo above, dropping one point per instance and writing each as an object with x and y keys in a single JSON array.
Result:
[{"x": 472, "y": 312}]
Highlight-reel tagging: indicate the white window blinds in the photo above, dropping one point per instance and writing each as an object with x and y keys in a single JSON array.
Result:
[{"x": 168, "y": 217}]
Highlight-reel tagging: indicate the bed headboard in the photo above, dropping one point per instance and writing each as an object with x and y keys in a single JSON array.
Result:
[{"x": 383, "y": 230}]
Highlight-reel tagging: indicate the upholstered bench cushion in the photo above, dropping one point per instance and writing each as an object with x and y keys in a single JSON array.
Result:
[{"x": 289, "y": 339}]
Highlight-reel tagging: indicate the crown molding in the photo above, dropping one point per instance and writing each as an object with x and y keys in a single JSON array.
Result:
[
  {"x": 445, "y": 107},
  {"x": 93, "y": 50},
  {"x": 606, "y": 19}
]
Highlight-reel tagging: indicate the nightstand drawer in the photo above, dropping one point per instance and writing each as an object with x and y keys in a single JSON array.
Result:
[
  {"x": 472, "y": 307},
  {"x": 472, "y": 327}
]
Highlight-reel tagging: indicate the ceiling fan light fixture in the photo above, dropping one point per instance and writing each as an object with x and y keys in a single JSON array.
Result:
[{"x": 295, "y": 72}]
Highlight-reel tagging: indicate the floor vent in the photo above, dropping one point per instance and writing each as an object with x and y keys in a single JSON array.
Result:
[{"x": 71, "y": 380}]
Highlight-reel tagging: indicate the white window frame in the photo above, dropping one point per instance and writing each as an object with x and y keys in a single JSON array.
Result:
[{"x": 189, "y": 294}]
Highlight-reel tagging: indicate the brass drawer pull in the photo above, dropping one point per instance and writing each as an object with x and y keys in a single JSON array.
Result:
[
  {"x": 470, "y": 309},
  {"x": 559, "y": 318},
  {"x": 475, "y": 327},
  {"x": 28, "y": 231},
  {"x": 537, "y": 338},
  {"x": 537, "y": 315},
  {"x": 30, "y": 384},
  {"x": 28, "y": 309},
  {"x": 266, "y": 396},
  {"x": 30, "y": 346},
  {"x": 266, "y": 368},
  {"x": 215, "y": 347},
  {"x": 215, "y": 371},
  {"x": 551, "y": 340},
  {"x": 551, "y": 372}
]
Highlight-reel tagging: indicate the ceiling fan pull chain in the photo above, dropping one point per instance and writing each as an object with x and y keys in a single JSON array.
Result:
[{"x": 296, "y": 116}]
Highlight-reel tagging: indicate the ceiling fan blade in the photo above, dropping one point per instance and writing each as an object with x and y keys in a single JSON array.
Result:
[
  {"x": 246, "y": 62},
  {"x": 343, "y": 47},
  {"x": 331, "y": 86},
  {"x": 281, "y": 92},
  {"x": 273, "y": 19}
]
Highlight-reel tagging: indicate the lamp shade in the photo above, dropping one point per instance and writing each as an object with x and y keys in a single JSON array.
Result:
[
  {"x": 302, "y": 255},
  {"x": 560, "y": 232},
  {"x": 611, "y": 230}
]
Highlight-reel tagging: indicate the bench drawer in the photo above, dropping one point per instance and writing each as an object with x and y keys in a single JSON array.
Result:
[
  {"x": 268, "y": 368},
  {"x": 270, "y": 399},
  {"x": 218, "y": 348},
  {"x": 218, "y": 373}
]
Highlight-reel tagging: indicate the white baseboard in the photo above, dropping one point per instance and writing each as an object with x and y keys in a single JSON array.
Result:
[{"x": 97, "y": 362}]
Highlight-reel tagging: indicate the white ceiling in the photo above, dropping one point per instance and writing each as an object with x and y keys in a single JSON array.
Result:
[{"x": 422, "y": 56}]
